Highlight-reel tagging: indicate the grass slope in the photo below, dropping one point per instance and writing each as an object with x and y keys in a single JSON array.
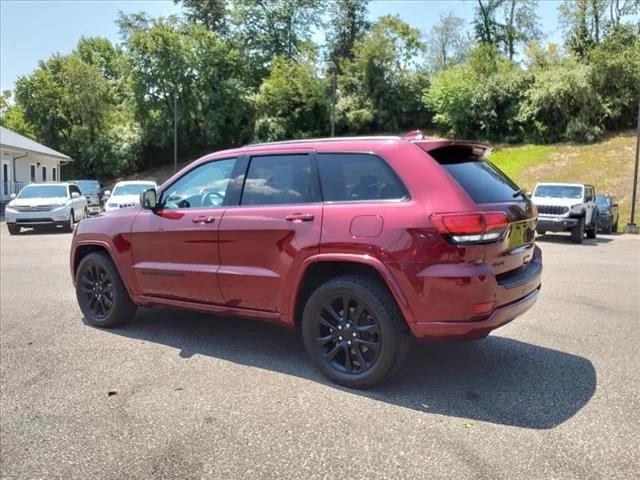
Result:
[{"x": 607, "y": 165}]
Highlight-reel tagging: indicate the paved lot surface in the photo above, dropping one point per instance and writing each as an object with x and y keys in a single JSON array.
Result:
[{"x": 553, "y": 395}]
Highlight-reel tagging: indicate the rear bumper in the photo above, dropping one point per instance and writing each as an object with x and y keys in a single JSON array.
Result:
[
  {"x": 473, "y": 330},
  {"x": 556, "y": 224},
  {"x": 444, "y": 310}
]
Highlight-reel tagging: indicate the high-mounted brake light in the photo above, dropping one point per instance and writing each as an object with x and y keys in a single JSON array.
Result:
[{"x": 472, "y": 227}]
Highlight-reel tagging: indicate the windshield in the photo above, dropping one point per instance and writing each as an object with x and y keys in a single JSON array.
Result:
[
  {"x": 132, "y": 188},
  {"x": 558, "y": 191},
  {"x": 88, "y": 186},
  {"x": 43, "y": 191},
  {"x": 601, "y": 201}
]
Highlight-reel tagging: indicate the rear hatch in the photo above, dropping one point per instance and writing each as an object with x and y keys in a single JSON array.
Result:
[{"x": 493, "y": 192}]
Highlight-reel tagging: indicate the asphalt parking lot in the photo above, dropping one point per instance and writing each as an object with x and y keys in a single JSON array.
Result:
[{"x": 182, "y": 395}]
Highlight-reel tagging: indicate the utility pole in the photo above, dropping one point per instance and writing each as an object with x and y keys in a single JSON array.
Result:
[
  {"x": 333, "y": 103},
  {"x": 175, "y": 130},
  {"x": 631, "y": 226}
]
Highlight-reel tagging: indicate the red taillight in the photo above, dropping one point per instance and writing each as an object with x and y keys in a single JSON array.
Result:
[
  {"x": 473, "y": 227},
  {"x": 481, "y": 308}
]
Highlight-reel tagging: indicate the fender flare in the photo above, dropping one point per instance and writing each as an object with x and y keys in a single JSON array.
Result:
[{"x": 289, "y": 304}]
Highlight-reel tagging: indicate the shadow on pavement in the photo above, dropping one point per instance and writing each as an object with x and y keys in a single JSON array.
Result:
[
  {"x": 566, "y": 239},
  {"x": 497, "y": 380}
]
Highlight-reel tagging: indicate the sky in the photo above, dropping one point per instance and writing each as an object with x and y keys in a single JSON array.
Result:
[{"x": 33, "y": 30}]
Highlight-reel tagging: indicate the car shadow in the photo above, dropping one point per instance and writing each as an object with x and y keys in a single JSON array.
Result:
[
  {"x": 43, "y": 231},
  {"x": 566, "y": 239},
  {"x": 497, "y": 380}
]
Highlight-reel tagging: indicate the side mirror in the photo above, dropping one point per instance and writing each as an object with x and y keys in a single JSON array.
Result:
[
  {"x": 149, "y": 199},
  {"x": 107, "y": 193},
  {"x": 614, "y": 205},
  {"x": 75, "y": 195},
  {"x": 12, "y": 196}
]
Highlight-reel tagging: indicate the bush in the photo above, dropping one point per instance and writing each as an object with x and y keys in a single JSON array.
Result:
[{"x": 562, "y": 104}]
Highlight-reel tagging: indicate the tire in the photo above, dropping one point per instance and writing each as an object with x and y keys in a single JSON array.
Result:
[
  {"x": 379, "y": 324},
  {"x": 101, "y": 294},
  {"x": 577, "y": 232},
  {"x": 13, "y": 229},
  {"x": 69, "y": 226},
  {"x": 592, "y": 232}
]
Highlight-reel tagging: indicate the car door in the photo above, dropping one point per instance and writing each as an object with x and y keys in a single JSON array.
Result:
[
  {"x": 175, "y": 249},
  {"x": 276, "y": 226},
  {"x": 590, "y": 200}
]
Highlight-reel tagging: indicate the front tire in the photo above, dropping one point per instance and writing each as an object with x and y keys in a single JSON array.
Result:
[
  {"x": 365, "y": 345},
  {"x": 577, "y": 232},
  {"x": 101, "y": 294},
  {"x": 13, "y": 229}
]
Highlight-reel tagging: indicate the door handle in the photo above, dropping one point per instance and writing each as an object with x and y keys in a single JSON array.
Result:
[
  {"x": 300, "y": 217},
  {"x": 203, "y": 219}
]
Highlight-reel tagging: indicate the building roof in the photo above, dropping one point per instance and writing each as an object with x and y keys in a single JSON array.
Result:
[{"x": 15, "y": 141}]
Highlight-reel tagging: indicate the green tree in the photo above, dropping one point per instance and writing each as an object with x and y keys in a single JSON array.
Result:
[
  {"x": 206, "y": 73},
  {"x": 210, "y": 13},
  {"x": 292, "y": 101},
  {"x": 12, "y": 116},
  {"x": 348, "y": 22},
  {"x": 448, "y": 43},
  {"x": 380, "y": 89}
]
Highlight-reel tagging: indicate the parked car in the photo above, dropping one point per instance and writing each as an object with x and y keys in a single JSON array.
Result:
[
  {"x": 45, "y": 204},
  {"x": 607, "y": 213},
  {"x": 126, "y": 194},
  {"x": 362, "y": 242},
  {"x": 92, "y": 190},
  {"x": 566, "y": 207}
]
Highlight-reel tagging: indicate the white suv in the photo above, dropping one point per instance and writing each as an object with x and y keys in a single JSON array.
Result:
[
  {"x": 45, "y": 204},
  {"x": 126, "y": 194},
  {"x": 566, "y": 207}
]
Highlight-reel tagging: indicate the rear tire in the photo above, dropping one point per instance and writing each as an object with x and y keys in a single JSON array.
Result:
[
  {"x": 577, "y": 232},
  {"x": 13, "y": 229},
  {"x": 69, "y": 226},
  {"x": 101, "y": 294},
  {"x": 366, "y": 347},
  {"x": 592, "y": 232}
]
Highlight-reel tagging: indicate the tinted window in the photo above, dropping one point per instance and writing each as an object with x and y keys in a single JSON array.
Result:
[
  {"x": 87, "y": 186},
  {"x": 355, "y": 176},
  {"x": 482, "y": 181},
  {"x": 203, "y": 187},
  {"x": 280, "y": 179},
  {"x": 602, "y": 201}
]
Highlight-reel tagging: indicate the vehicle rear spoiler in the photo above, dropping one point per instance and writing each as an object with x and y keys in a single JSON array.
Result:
[{"x": 480, "y": 150}]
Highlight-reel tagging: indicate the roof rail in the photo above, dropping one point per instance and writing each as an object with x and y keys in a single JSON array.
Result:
[{"x": 327, "y": 139}]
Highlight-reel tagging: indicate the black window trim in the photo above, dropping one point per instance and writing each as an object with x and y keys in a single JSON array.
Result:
[
  {"x": 230, "y": 187},
  {"x": 406, "y": 198},
  {"x": 250, "y": 156}
]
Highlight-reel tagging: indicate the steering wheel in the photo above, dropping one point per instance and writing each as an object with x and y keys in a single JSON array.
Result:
[{"x": 205, "y": 200}]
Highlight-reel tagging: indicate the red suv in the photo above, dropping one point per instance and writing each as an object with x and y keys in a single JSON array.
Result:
[{"x": 363, "y": 242}]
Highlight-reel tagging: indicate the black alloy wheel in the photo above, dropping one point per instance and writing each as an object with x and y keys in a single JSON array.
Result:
[
  {"x": 348, "y": 335},
  {"x": 96, "y": 288}
]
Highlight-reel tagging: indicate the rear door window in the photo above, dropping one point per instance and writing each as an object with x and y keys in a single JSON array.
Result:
[
  {"x": 280, "y": 180},
  {"x": 358, "y": 177}
]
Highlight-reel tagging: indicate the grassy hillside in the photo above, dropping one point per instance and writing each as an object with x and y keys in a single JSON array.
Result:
[{"x": 608, "y": 165}]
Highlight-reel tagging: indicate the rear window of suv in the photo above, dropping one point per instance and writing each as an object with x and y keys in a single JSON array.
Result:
[{"x": 481, "y": 179}]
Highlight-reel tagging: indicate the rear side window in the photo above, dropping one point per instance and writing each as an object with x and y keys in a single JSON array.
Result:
[
  {"x": 358, "y": 177},
  {"x": 280, "y": 179},
  {"x": 481, "y": 179}
]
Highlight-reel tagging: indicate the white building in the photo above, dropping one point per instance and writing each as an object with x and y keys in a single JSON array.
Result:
[{"x": 24, "y": 161}]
